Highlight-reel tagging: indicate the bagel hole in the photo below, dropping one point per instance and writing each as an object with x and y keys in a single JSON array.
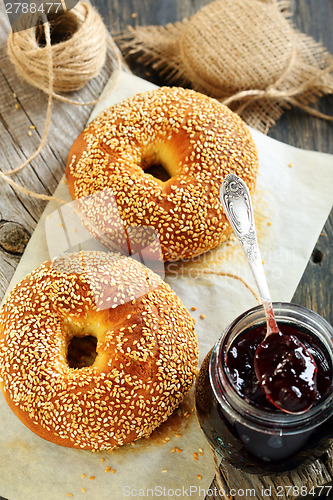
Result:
[
  {"x": 158, "y": 171},
  {"x": 81, "y": 351},
  {"x": 151, "y": 164}
]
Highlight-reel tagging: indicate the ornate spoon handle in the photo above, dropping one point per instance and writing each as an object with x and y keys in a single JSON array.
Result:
[
  {"x": 236, "y": 202},
  {"x": 284, "y": 368}
]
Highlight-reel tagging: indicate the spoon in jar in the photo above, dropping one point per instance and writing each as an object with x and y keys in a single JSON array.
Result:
[{"x": 284, "y": 367}]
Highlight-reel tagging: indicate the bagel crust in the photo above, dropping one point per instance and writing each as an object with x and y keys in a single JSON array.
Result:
[
  {"x": 194, "y": 137},
  {"x": 147, "y": 351}
]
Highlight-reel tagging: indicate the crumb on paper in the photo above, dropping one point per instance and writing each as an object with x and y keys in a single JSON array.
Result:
[
  {"x": 178, "y": 435},
  {"x": 14, "y": 95},
  {"x": 92, "y": 477},
  {"x": 199, "y": 476},
  {"x": 32, "y": 127},
  {"x": 164, "y": 470},
  {"x": 102, "y": 459},
  {"x": 17, "y": 106},
  {"x": 83, "y": 490},
  {"x": 107, "y": 469},
  {"x": 202, "y": 316},
  {"x": 201, "y": 452},
  {"x": 193, "y": 308},
  {"x": 112, "y": 471},
  {"x": 290, "y": 165},
  {"x": 269, "y": 223},
  {"x": 29, "y": 133},
  {"x": 134, "y": 15},
  {"x": 83, "y": 476}
]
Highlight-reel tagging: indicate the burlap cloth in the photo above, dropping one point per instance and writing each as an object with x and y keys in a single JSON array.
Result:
[{"x": 245, "y": 53}]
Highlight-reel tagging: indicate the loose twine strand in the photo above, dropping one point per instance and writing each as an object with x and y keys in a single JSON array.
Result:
[
  {"x": 273, "y": 93},
  {"x": 18, "y": 50}
]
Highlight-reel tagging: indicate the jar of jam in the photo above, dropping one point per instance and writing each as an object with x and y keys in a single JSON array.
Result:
[{"x": 243, "y": 427}]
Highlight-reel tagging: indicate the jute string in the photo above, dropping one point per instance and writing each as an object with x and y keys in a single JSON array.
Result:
[
  {"x": 245, "y": 53},
  {"x": 61, "y": 67}
]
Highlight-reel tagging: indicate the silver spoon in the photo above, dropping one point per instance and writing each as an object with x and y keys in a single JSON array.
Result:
[{"x": 284, "y": 367}]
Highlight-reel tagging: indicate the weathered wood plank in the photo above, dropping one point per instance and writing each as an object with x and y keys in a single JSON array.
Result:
[{"x": 292, "y": 485}]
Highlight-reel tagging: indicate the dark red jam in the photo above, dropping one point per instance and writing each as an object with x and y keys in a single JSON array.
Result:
[
  {"x": 294, "y": 385},
  {"x": 242, "y": 425}
]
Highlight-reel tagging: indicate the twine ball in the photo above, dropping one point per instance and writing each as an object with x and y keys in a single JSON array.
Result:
[{"x": 78, "y": 49}]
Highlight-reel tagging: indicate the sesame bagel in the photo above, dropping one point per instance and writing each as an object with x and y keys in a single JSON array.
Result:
[
  {"x": 146, "y": 352},
  {"x": 195, "y": 138}
]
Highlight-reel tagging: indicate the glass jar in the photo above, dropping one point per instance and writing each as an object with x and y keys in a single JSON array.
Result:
[{"x": 257, "y": 439}]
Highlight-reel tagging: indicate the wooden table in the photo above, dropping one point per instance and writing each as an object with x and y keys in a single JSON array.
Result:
[{"x": 22, "y": 118}]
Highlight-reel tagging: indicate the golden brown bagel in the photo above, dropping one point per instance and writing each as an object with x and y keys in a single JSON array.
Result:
[
  {"x": 147, "y": 351},
  {"x": 194, "y": 137}
]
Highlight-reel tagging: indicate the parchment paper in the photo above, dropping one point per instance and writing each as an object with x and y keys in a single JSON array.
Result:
[{"x": 292, "y": 201}]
